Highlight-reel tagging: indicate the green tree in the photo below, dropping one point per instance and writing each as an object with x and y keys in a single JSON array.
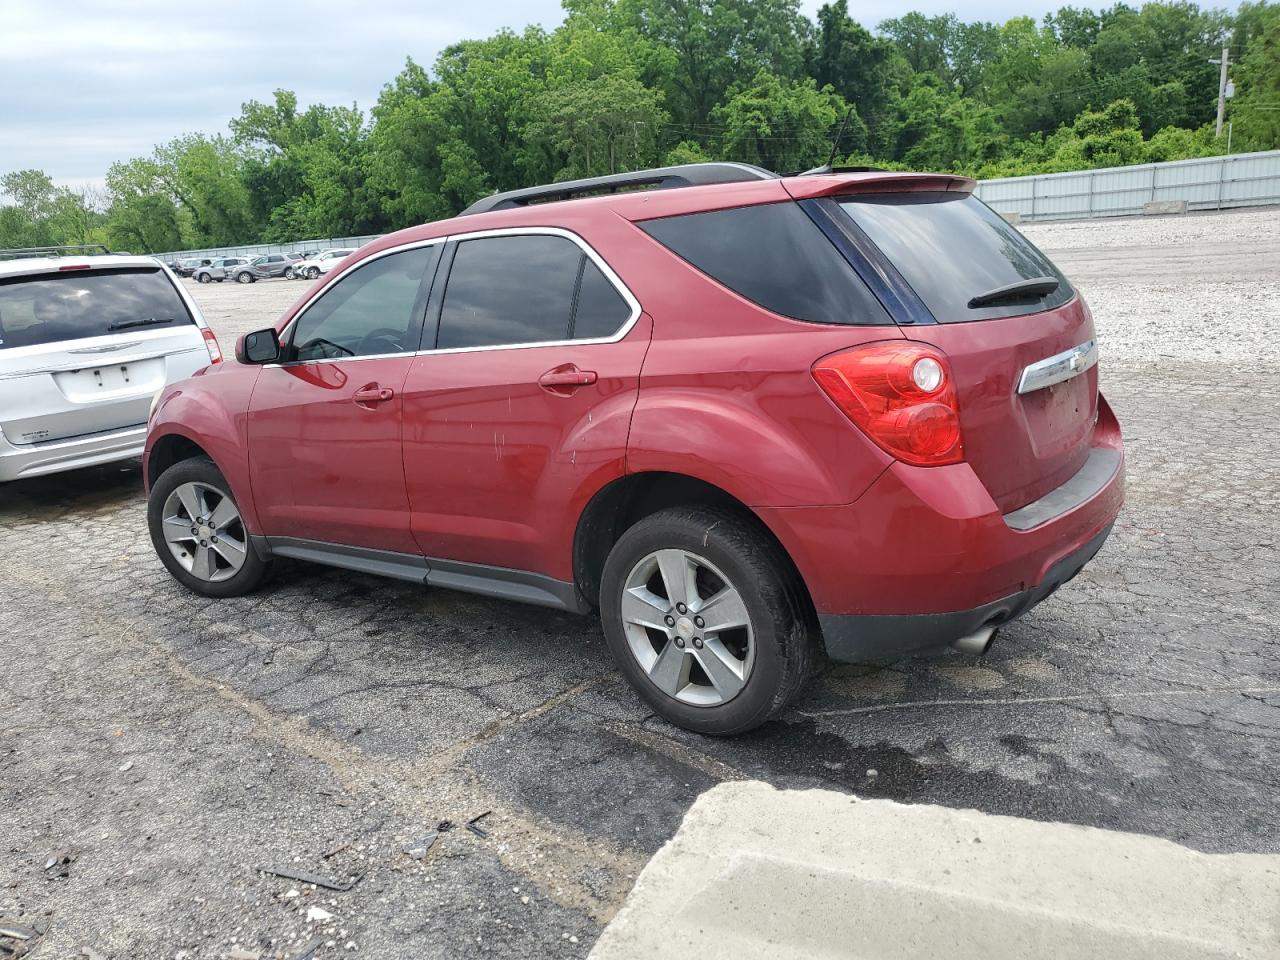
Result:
[
  {"x": 1255, "y": 111},
  {"x": 593, "y": 127},
  {"x": 783, "y": 125},
  {"x": 699, "y": 48},
  {"x": 143, "y": 217},
  {"x": 859, "y": 67}
]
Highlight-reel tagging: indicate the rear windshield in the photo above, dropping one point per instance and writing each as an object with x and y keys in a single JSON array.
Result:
[
  {"x": 52, "y": 307},
  {"x": 952, "y": 247},
  {"x": 773, "y": 255}
]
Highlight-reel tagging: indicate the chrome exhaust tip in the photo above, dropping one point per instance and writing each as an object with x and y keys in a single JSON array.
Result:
[{"x": 976, "y": 643}]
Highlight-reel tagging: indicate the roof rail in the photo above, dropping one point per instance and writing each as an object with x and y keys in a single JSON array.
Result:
[
  {"x": 82, "y": 249},
  {"x": 684, "y": 175}
]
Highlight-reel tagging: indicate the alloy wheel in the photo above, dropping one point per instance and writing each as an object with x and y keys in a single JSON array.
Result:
[
  {"x": 204, "y": 532},
  {"x": 688, "y": 628}
]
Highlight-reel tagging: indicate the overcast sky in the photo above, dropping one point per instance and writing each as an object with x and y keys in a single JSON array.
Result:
[{"x": 84, "y": 83}]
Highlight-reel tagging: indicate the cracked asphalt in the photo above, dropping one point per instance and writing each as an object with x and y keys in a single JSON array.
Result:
[{"x": 172, "y": 747}]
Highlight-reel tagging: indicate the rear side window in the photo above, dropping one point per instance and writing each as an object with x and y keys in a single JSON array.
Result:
[
  {"x": 952, "y": 247},
  {"x": 54, "y": 307},
  {"x": 600, "y": 311},
  {"x": 508, "y": 291},
  {"x": 775, "y": 256}
]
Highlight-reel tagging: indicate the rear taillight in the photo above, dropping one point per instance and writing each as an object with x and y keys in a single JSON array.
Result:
[
  {"x": 901, "y": 395},
  {"x": 211, "y": 343}
]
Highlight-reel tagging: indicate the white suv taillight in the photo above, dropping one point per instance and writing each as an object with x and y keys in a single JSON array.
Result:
[{"x": 211, "y": 343}]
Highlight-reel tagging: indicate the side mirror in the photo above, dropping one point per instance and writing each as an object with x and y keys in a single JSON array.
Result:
[{"x": 261, "y": 346}]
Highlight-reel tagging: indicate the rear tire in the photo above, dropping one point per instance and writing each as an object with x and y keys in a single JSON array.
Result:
[
  {"x": 713, "y": 678},
  {"x": 198, "y": 533}
]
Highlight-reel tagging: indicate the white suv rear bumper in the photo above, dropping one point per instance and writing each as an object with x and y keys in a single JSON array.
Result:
[{"x": 19, "y": 461}]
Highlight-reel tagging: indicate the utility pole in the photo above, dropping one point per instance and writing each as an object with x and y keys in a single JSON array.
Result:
[{"x": 1222, "y": 87}]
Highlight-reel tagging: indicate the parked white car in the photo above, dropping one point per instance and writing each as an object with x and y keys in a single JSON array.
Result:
[
  {"x": 86, "y": 344},
  {"x": 321, "y": 263}
]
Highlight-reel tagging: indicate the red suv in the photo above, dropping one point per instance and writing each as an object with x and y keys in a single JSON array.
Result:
[{"x": 749, "y": 419}]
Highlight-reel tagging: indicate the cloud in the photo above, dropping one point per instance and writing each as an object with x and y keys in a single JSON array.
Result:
[{"x": 84, "y": 83}]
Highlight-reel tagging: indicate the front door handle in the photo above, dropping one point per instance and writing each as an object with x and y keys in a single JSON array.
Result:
[
  {"x": 373, "y": 393},
  {"x": 563, "y": 380}
]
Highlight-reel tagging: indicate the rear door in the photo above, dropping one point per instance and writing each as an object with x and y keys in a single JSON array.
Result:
[
  {"x": 83, "y": 351},
  {"x": 1021, "y": 439},
  {"x": 522, "y": 408}
]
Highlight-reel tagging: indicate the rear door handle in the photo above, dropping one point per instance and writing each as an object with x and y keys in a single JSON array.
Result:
[
  {"x": 565, "y": 379},
  {"x": 373, "y": 393}
]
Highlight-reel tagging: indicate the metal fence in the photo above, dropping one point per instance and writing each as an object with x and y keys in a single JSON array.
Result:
[
  {"x": 1208, "y": 183},
  {"x": 258, "y": 249}
]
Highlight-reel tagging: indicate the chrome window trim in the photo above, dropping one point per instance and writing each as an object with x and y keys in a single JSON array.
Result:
[
  {"x": 586, "y": 248},
  {"x": 1059, "y": 368},
  {"x": 582, "y": 244}
]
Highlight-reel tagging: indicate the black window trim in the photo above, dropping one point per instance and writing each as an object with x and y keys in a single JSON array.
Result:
[{"x": 432, "y": 333}]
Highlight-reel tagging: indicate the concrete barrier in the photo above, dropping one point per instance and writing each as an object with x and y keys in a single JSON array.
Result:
[
  {"x": 761, "y": 874},
  {"x": 1164, "y": 206}
]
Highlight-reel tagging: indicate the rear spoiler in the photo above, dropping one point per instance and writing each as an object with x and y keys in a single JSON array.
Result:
[{"x": 835, "y": 184}]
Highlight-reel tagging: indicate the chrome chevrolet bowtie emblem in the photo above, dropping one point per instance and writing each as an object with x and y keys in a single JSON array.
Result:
[{"x": 1059, "y": 367}]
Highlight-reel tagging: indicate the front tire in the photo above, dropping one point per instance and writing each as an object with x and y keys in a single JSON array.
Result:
[
  {"x": 203, "y": 278},
  {"x": 313, "y": 273},
  {"x": 707, "y": 619},
  {"x": 198, "y": 533},
  {"x": 244, "y": 278}
]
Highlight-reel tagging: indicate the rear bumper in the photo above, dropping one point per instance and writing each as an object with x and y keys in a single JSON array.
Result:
[
  {"x": 20, "y": 461},
  {"x": 854, "y": 638},
  {"x": 925, "y": 556}
]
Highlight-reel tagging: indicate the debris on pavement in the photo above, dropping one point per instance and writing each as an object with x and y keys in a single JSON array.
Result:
[
  {"x": 315, "y": 879},
  {"x": 240, "y": 953},
  {"x": 418, "y": 849},
  {"x": 17, "y": 940},
  {"x": 59, "y": 865},
  {"x": 319, "y": 915},
  {"x": 88, "y": 953},
  {"x": 474, "y": 825},
  {"x": 336, "y": 849},
  {"x": 308, "y": 951},
  {"x": 125, "y": 767}
]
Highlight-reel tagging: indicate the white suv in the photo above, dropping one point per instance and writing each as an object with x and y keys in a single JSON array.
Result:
[
  {"x": 86, "y": 343},
  {"x": 321, "y": 263}
]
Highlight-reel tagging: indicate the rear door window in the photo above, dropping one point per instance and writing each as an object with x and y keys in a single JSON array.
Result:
[
  {"x": 55, "y": 307},
  {"x": 952, "y": 247},
  {"x": 775, "y": 256},
  {"x": 507, "y": 291}
]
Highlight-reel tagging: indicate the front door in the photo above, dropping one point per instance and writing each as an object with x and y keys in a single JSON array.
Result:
[
  {"x": 324, "y": 424},
  {"x": 522, "y": 409}
]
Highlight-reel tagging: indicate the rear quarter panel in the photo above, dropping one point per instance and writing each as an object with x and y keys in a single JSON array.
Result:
[{"x": 727, "y": 394}]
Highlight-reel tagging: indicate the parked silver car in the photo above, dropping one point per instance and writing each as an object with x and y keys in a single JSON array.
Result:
[
  {"x": 218, "y": 269},
  {"x": 86, "y": 344},
  {"x": 262, "y": 268},
  {"x": 321, "y": 263}
]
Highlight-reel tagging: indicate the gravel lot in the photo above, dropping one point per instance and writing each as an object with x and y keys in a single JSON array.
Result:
[{"x": 173, "y": 746}]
